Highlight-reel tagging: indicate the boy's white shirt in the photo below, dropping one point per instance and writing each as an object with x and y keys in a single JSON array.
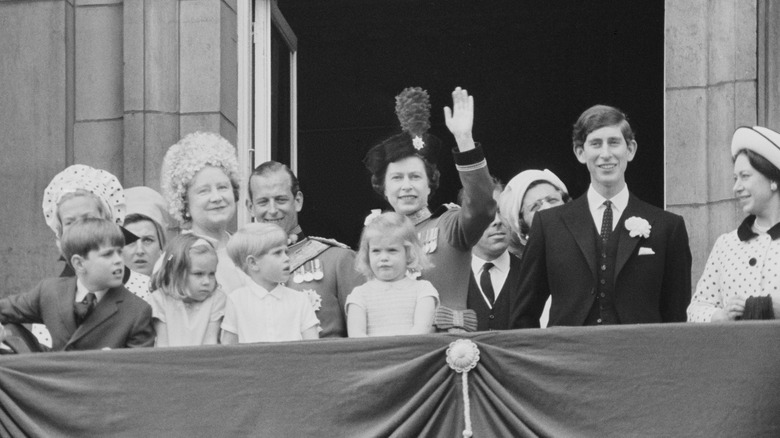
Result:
[
  {"x": 82, "y": 291},
  {"x": 258, "y": 315}
]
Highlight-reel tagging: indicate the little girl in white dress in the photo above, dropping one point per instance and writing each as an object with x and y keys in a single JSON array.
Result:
[
  {"x": 187, "y": 304},
  {"x": 391, "y": 302}
]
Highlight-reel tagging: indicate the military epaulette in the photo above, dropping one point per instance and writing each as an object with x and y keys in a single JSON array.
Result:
[
  {"x": 331, "y": 242},
  {"x": 444, "y": 208}
]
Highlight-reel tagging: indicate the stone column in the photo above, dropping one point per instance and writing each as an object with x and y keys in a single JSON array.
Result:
[
  {"x": 180, "y": 77},
  {"x": 710, "y": 90}
]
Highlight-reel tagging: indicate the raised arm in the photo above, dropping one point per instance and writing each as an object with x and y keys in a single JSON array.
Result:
[
  {"x": 478, "y": 206},
  {"x": 460, "y": 119}
]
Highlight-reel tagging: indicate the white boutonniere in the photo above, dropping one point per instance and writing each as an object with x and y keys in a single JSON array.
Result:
[
  {"x": 314, "y": 298},
  {"x": 373, "y": 215},
  {"x": 637, "y": 226}
]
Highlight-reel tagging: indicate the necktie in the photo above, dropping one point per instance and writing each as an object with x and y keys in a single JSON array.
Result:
[
  {"x": 84, "y": 308},
  {"x": 606, "y": 222},
  {"x": 486, "y": 284}
]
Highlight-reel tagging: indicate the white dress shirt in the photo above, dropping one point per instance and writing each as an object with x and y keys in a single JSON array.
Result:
[
  {"x": 596, "y": 206},
  {"x": 82, "y": 291},
  {"x": 498, "y": 273}
]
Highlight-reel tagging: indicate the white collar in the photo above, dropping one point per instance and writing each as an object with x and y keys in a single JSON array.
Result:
[
  {"x": 82, "y": 291},
  {"x": 619, "y": 201},
  {"x": 501, "y": 262},
  {"x": 261, "y": 292}
]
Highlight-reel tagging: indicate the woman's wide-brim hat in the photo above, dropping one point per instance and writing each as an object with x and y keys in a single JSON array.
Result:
[
  {"x": 763, "y": 141},
  {"x": 102, "y": 184},
  {"x": 150, "y": 203},
  {"x": 510, "y": 203}
]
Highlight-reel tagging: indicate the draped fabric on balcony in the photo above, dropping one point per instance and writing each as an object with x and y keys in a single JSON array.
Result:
[{"x": 652, "y": 380}]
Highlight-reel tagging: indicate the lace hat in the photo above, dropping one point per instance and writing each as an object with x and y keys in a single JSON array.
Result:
[{"x": 186, "y": 158}]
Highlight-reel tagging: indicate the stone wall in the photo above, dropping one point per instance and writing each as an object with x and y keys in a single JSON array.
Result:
[
  {"x": 108, "y": 83},
  {"x": 711, "y": 82}
]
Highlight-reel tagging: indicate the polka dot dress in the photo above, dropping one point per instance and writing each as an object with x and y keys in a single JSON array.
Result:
[
  {"x": 139, "y": 284},
  {"x": 736, "y": 268}
]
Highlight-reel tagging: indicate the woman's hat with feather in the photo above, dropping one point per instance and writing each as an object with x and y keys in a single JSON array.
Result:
[{"x": 413, "y": 108}]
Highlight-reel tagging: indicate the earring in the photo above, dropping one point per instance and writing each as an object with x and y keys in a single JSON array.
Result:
[{"x": 773, "y": 186}]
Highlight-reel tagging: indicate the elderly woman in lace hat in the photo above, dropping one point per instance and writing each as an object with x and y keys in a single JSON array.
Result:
[
  {"x": 741, "y": 279},
  {"x": 526, "y": 193},
  {"x": 200, "y": 180},
  {"x": 403, "y": 172}
]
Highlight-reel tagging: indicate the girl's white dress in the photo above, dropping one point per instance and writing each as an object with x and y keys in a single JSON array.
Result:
[
  {"x": 390, "y": 306},
  {"x": 186, "y": 323}
]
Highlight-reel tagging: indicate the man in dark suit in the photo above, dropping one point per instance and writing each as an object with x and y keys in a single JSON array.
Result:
[
  {"x": 495, "y": 273},
  {"x": 606, "y": 257},
  {"x": 92, "y": 310}
]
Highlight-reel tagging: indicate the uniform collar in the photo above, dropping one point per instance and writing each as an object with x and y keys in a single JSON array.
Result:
[{"x": 419, "y": 216}]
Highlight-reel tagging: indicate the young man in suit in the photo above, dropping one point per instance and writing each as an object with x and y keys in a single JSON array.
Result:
[
  {"x": 606, "y": 257},
  {"x": 92, "y": 310},
  {"x": 495, "y": 274}
]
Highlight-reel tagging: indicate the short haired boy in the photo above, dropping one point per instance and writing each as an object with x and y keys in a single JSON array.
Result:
[
  {"x": 265, "y": 310},
  {"x": 92, "y": 310}
]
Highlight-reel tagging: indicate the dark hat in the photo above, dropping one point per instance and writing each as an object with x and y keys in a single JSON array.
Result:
[
  {"x": 763, "y": 141},
  {"x": 398, "y": 147},
  {"x": 413, "y": 109}
]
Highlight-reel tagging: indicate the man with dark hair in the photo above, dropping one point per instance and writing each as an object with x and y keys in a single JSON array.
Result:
[
  {"x": 606, "y": 257},
  {"x": 322, "y": 268},
  {"x": 495, "y": 273}
]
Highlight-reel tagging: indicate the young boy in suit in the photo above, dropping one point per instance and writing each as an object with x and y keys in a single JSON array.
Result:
[{"x": 92, "y": 310}]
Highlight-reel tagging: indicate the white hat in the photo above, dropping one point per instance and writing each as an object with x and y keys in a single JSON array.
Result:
[
  {"x": 511, "y": 200},
  {"x": 148, "y": 202},
  {"x": 758, "y": 139},
  {"x": 81, "y": 177}
]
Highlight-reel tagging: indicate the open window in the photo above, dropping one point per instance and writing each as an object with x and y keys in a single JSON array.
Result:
[{"x": 267, "y": 88}]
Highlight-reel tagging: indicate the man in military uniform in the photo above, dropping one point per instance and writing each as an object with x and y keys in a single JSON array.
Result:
[{"x": 322, "y": 268}]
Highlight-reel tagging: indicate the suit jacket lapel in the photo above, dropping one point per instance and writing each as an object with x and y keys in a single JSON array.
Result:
[
  {"x": 580, "y": 223},
  {"x": 66, "y": 302},
  {"x": 104, "y": 309},
  {"x": 626, "y": 243}
]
